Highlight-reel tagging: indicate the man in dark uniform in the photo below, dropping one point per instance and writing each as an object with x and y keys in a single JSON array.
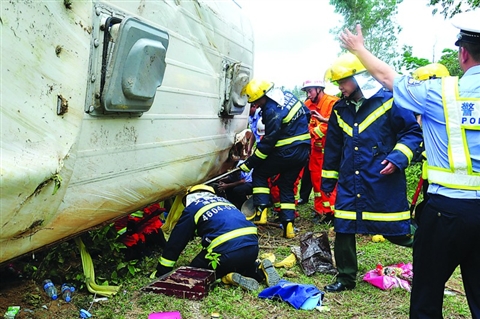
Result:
[
  {"x": 230, "y": 242},
  {"x": 282, "y": 151}
]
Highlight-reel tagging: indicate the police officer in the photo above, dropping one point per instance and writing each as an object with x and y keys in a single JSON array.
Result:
[
  {"x": 370, "y": 143},
  {"x": 449, "y": 227},
  {"x": 283, "y": 150},
  {"x": 230, "y": 242}
]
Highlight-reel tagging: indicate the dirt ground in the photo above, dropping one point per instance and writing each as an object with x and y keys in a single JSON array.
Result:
[{"x": 33, "y": 301}]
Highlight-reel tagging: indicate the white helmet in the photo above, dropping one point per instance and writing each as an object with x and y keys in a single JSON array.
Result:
[
  {"x": 260, "y": 127},
  {"x": 313, "y": 84}
]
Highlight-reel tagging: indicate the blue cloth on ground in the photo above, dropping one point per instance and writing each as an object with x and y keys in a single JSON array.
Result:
[{"x": 294, "y": 294}]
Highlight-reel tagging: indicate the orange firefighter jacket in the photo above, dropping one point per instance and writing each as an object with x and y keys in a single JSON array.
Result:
[{"x": 318, "y": 129}]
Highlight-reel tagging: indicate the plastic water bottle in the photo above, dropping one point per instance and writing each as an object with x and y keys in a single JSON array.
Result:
[
  {"x": 50, "y": 289},
  {"x": 67, "y": 291}
]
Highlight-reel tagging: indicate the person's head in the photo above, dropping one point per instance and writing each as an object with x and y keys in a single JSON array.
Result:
[
  {"x": 314, "y": 89},
  {"x": 468, "y": 40},
  {"x": 343, "y": 71},
  {"x": 256, "y": 91},
  {"x": 197, "y": 192},
  {"x": 430, "y": 71}
]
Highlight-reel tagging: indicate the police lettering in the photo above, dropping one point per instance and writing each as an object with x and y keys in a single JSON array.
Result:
[{"x": 470, "y": 120}]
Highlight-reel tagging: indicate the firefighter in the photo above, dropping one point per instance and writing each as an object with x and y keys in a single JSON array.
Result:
[
  {"x": 230, "y": 242},
  {"x": 320, "y": 105},
  {"x": 283, "y": 150},
  {"x": 450, "y": 222},
  {"x": 370, "y": 143}
]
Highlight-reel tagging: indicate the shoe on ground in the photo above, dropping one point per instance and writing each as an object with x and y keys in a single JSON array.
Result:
[
  {"x": 338, "y": 287},
  {"x": 288, "y": 230},
  {"x": 259, "y": 217},
  {"x": 301, "y": 201},
  {"x": 236, "y": 279},
  {"x": 271, "y": 275}
]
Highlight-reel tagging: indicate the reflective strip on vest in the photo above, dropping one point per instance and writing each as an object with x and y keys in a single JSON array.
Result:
[
  {"x": 166, "y": 262},
  {"x": 381, "y": 217},
  {"x": 459, "y": 175},
  {"x": 290, "y": 140},
  {"x": 230, "y": 235},
  {"x": 205, "y": 208}
]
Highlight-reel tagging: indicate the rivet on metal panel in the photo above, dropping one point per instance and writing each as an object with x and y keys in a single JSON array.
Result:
[
  {"x": 91, "y": 108},
  {"x": 93, "y": 78},
  {"x": 97, "y": 11},
  {"x": 96, "y": 43}
]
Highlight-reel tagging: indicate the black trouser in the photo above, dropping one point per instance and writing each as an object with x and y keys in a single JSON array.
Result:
[
  {"x": 447, "y": 236},
  {"x": 238, "y": 195},
  {"x": 242, "y": 261},
  {"x": 306, "y": 185}
]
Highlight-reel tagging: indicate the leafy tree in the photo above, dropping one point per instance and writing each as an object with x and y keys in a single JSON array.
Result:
[
  {"x": 379, "y": 27},
  {"x": 449, "y": 8},
  {"x": 450, "y": 60}
]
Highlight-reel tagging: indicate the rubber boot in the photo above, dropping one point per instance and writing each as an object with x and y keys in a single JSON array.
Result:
[
  {"x": 288, "y": 230},
  {"x": 260, "y": 216},
  {"x": 236, "y": 279},
  {"x": 271, "y": 276}
]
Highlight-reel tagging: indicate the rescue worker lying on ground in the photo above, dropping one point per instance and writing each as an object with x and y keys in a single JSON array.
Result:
[
  {"x": 230, "y": 242},
  {"x": 283, "y": 150}
]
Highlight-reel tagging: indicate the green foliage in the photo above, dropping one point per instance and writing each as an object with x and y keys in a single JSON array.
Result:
[
  {"x": 410, "y": 62},
  {"x": 449, "y": 8},
  {"x": 378, "y": 22},
  {"x": 450, "y": 60}
]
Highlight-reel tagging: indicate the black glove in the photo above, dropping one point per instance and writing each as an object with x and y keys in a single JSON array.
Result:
[{"x": 162, "y": 270}]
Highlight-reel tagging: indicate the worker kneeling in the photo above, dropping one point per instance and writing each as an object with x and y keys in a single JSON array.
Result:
[{"x": 229, "y": 240}]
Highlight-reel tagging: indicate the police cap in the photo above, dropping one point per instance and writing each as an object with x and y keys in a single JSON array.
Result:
[{"x": 469, "y": 27}]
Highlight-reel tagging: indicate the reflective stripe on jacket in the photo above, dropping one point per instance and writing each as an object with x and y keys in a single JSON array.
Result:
[
  {"x": 285, "y": 126},
  {"x": 368, "y": 202}
]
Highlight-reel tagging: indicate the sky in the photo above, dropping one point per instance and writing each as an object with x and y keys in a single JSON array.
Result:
[{"x": 293, "y": 43}]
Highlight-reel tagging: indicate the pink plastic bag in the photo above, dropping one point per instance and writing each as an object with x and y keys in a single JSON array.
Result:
[{"x": 394, "y": 276}]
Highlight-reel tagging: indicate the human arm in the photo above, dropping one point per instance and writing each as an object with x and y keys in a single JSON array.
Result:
[
  {"x": 380, "y": 70},
  {"x": 181, "y": 234}
]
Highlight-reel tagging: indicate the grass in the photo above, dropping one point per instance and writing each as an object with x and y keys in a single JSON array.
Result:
[{"x": 365, "y": 301}]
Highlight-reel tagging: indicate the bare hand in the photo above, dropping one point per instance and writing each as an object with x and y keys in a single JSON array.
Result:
[
  {"x": 389, "y": 169},
  {"x": 352, "y": 42}
]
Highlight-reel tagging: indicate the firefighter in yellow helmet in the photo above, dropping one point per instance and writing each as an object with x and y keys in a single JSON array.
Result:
[
  {"x": 230, "y": 242},
  {"x": 283, "y": 150},
  {"x": 370, "y": 143},
  {"x": 430, "y": 71}
]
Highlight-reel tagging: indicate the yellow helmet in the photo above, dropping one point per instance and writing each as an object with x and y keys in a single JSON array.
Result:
[
  {"x": 198, "y": 188},
  {"x": 430, "y": 71},
  {"x": 255, "y": 89},
  {"x": 345, "y": 66}
]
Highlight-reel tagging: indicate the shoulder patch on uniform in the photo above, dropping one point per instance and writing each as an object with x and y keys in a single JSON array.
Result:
[{"x": 412, "y": 82}]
